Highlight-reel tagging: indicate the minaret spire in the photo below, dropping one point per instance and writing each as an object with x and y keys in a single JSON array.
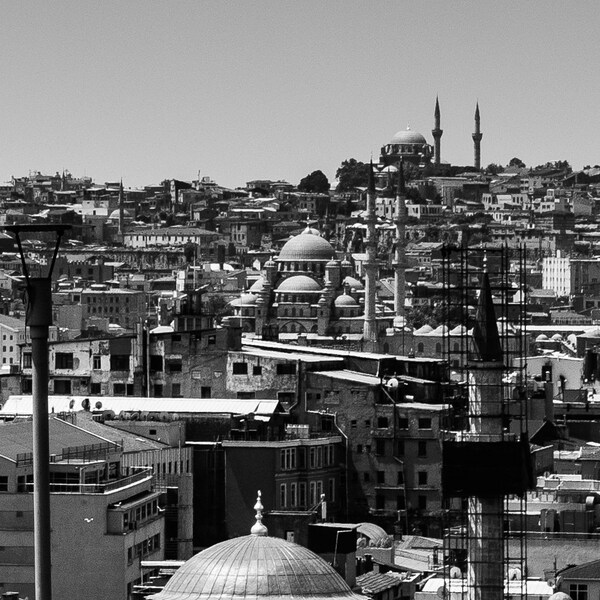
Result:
[
  {"x": 121, "y": 208},
  {"x": 477, "y": 138},
  {"x": 370, "y": 324},
  {"x": 400, "y": 259},
  {"x": 437, "y": 132}
]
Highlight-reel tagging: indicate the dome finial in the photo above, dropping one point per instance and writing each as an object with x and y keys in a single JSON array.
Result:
[{"x": 258, "y": 528}]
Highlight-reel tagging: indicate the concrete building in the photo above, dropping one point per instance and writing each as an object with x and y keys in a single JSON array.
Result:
[{"x": 104, "y": 519}]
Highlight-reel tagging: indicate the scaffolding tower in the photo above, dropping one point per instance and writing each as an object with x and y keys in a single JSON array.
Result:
[{"x": 486, "y": 457}]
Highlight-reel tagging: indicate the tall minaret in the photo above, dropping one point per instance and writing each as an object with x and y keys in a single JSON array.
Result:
[
  {"x": 436, "y": 132},
  {"x": 120, "y": 230},
  {"x": 370, "y": 266},
  {"x": 477, "y": 138},
  {"x": 485, "y": 570},
  {"x": 399, "y": 259}
]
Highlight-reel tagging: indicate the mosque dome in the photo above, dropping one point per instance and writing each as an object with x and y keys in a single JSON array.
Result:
[
  {"x": 408, "y": 136},
  {"x": 258, "y": 285},
  {"x": 559, "y": 596},
  {"x": 345, "y": 300},
  {"x": 253, "y": 567},
  {"x": 299, "y": 283},
  {"x": 307, "y": 246},
  {"x": 244, "y": 300},
  {"x": 353, "y": 283}
]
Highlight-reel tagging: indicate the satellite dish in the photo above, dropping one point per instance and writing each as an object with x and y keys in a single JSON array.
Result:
[
  {"x": 455, "y": 573},
  {"x": 442, "y": 592},
  {"x": 98, "y": 405},
  {"x": 551, "y": 583},
  {"x": 514, "y": 574}
]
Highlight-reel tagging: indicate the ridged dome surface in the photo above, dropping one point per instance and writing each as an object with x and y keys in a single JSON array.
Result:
[
  {"x": 299, "y": 283},
  {"x": 307, "y": 246},
  {"x": 407, "y": 136},
  {"x": 253, "y": 567}
]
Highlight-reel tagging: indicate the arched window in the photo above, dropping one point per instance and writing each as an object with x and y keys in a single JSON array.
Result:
[
  {"x": 438, "y": 348},
  {"x": 420, "y": 347},
  {"x": 386, "y": 348}
]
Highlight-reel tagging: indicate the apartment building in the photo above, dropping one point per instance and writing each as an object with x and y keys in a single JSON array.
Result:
[{"x": 104, "y": 518}]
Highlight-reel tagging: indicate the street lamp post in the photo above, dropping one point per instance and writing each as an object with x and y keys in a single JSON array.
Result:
[{"x": 39, "y": 318}]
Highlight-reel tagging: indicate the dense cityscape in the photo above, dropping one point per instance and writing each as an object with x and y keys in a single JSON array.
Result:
[{"x": 403, "y": 361}]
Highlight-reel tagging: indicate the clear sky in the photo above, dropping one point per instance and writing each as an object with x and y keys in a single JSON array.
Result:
[{"x": 251, "y": 89}]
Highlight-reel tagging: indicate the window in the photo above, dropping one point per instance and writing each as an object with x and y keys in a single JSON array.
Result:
[
  {"x": 353, "y": 424},
  {"x": 422, "y": 477},
  {"x": 119, "y": 362},
  {"x": 367, "y": 423},
  {"x": 402, "y": 422},
  {"x": 379, "y": 502},
  {"x": 313, "y": 493},
  {"x": 27, "y": 360},
  {"x": 382, "y": 422},
  {"x": 422, "y": 502},
  {"x": 3, "y": 483},
  {"x": 380, "y": 447},
  {"x": 95, "y": 389},
  {"x": 366, "y": 476},
  {"x": 62, "y": 386},
  {"x": 380, "y": 476},
  {"x": 96, "y": 362},
  {"x": 425, "y": 423},
  {"x": 286, "y": 369},
  {"x": 257, "y": 370},
  {"x": 118, "y": 389},
  {"x": 158, "y": 390},
  {"x": 156, "y": 363},
  {"x": 240, "y": 368},
  {"x": 578, "y": 591},
  {"x": 400, "y": 478},
  {"x": 283, "y": 495},
  {"x": 176, "y": 390},
  {"x": 331, "y": 490},
  {"x": 400, "y": 503},
  {"x": 399, "y": 447},
  {"x": 422, "y": 448},
  {"x": 359, "y": 448},
  {"x": 302, "y": 494},
  {"x": 288, "y": 458},
  {"x": 63, "y": 360},
  {"x": 175, "y": 367},
  {"x": 205, "y": 391}
]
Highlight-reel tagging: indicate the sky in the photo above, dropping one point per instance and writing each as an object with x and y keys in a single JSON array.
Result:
[{"x": 273, "y": 89}]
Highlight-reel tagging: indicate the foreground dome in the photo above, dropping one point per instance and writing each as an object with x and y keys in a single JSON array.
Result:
[
  {"x": 307, "y": 247},
  {"x": 256, "y": 566},
  {"x": 299, "y": 283},
  {"x": 253, "y": 567}
]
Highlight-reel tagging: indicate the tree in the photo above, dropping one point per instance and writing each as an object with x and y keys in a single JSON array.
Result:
[
  {"x": 494, "y": 169},
  {"x": 316, "y": 182},
  {"x": 352, "y": 174},
  {"x": 516, "y": 162}
]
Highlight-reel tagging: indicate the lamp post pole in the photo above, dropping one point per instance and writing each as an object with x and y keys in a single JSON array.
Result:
[{"x": 39, "y": 319}]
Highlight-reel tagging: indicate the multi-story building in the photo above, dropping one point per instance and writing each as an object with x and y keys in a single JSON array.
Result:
[
  {"x": 12, "y": 333},
  {"x": 104, "y": 519},
  {"x": 556, "y": 274}
]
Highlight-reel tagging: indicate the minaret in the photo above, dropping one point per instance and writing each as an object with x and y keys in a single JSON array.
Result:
[
  {"x": 485, "y": 569},
  {"x": 120, "y": 230},
  {"x": 477, "y": 138},
  {"x": 370, "y": 266},
  {"x": 436, "y": 132},
  {"x": 400, "y": 260}
]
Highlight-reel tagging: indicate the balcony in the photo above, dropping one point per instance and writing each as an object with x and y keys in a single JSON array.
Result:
[{"x": 96, "y": 488}]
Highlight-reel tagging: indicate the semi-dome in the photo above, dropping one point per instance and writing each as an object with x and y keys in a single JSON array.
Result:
[
  {"x": 258, "y": 285},
  {"x": 256, "y": 566},
  {"x": 353, "y": 283},
  {"x": 307, "y": 247},
  {"x": 299, "y": 283},
  {"x": 408, "y": 136}
]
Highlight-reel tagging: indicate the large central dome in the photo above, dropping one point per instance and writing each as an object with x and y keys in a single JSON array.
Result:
[
  {"x": 408, "y": 136},
  {"x": 254, "y": 567},
  {"x": 307, "y": 246}
]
